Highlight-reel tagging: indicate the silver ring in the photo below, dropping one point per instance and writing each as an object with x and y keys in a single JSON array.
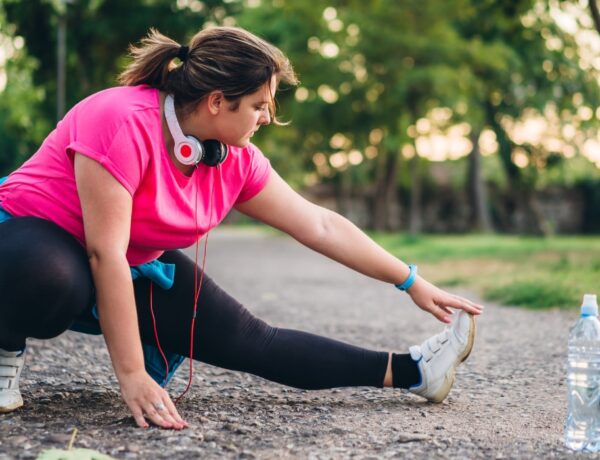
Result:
[{"x": 159, "y": 406}]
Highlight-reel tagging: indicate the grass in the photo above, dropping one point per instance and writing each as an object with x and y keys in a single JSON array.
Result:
[
  {"x": 530, "y": 272},
  {"x": 524, "y": 271}
]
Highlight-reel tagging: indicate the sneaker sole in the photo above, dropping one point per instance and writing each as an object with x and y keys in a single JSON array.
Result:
[
  {"x": 10, "y": 408},
  {"x": 471, "y": 340},
  {"x": 451, "y": 374}
]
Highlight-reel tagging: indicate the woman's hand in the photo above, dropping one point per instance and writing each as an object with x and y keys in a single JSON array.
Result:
[
  {"x": 148, "y": 401},
  {"x": 438, "y": 302}
]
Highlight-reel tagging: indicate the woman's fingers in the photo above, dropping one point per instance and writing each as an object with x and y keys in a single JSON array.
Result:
[
  {"x": 138, "y": 415},
  {"x": 440, "y": 303},
  {"x": 157, "y": 413},
  {"x": 164, "y": 414},
  {"x": 461, "y": 303},
  {"x": 446, "y": 310},
  {"x": 170, "y": 415},
  {"x": 443, "y": 310},
  {"x": 155, "y": 417},
  {"x": 441, "y": 313},
  {"x": 173, "y": 412},
  {"x": 148, "y": 402},
  {"x": 444, "y": 317}
]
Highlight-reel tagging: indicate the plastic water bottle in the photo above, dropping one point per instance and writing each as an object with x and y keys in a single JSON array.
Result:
[{"x": 582, "y": 427}]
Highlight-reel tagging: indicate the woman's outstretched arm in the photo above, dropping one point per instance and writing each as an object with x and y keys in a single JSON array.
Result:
[{"x": 334, "y": 236}]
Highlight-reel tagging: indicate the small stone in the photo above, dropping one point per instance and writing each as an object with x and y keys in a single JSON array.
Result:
[
  {"x": 412, "y": 437},
  {"x": 211, "y": 436},
  {"x": 231, "y": 448},
  {"x": 132, "y": 448},
  {"x": 59, "y": 438}
]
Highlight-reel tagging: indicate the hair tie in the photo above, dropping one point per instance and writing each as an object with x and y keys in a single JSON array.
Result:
[{"x": 182, "y": 54}]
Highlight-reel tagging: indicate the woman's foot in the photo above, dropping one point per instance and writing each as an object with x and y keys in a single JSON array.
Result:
[
  {"x": 439, "y": 356},
  {"x": 11, "y": 364}
]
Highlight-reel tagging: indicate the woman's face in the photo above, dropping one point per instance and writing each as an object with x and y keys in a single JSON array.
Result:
[{"x": 236, "y": 126}]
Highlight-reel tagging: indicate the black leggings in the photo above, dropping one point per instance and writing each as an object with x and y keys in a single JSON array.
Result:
[{"x": 46, "y": 284}]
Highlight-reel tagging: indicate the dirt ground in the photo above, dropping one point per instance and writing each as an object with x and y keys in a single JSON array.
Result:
[{"x": 508, "y": 402}]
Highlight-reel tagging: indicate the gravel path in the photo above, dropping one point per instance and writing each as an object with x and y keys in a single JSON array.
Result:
[{"x": 508, "y": 401}]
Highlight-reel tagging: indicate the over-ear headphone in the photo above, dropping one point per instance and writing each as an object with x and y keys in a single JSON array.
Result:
[{"x": 188, "y": 149}]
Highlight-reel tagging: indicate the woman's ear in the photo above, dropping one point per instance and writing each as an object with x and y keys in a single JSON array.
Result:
[{"x": 215, "y": 102}]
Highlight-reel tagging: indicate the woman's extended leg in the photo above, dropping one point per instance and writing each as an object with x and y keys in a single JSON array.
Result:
[{"x": 229, "y": 336}]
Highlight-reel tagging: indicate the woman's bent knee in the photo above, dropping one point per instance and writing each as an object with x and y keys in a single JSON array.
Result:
[{"x": 45, "y": 279}]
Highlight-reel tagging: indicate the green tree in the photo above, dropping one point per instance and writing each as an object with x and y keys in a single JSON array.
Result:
[
  {"x": 531, "y": 64},
  {"x": 21, "y": 125},
  {"x": 369, "y": 70},
  {"x": 98, "y": 34}
]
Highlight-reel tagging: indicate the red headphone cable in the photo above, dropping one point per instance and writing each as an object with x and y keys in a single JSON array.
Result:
[
  {"x": 196, "y": 295},
  {"x": 156, "y": 337},
  {"x": 197, "y": 288}
]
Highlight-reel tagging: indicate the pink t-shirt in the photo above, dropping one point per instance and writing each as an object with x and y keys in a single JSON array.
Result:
[{"x": 121, "y": 129}]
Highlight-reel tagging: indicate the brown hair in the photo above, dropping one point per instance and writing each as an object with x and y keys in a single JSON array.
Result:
[{"x": 228, "y": 59}]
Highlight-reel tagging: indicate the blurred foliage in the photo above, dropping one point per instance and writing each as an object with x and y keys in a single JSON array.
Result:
[
  {"x": 369, "y": 71},
  {"x": 522, "y": 271},
  {"x": 22, "y": 125},
  {"x": 377, "y": 65},
  {"x": 529, "y": 74},
  {"x": 72, "y": 454},
  {"x": 98, "y": 35}
]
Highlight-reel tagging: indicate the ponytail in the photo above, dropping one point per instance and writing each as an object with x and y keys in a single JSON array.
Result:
[
  {"x": 151, "y": 61},
  {"x": 227, "y": 59}
]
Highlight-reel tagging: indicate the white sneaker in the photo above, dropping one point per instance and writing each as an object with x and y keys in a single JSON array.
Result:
[
  {"x": 11, "y": 364},
  {"x": 439, "y": 356}
]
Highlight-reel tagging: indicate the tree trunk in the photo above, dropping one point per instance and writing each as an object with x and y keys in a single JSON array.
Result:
[
  {"x": 530, "y": 219},
  {"x": 385, "y": 191},
  {"x": 521, "y": 190},
  {"x": 595, "y": 14},
  {"x": 379, "y": 197},
  {"x": 344, "y": 193},
  {"x": 416, "y": 219},
  {"x": 480, "y": 214},
  {"x": 391, "y": 192}
]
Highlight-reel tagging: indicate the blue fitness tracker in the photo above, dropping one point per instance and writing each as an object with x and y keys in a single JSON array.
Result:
[{"x": 410, "y": 280}]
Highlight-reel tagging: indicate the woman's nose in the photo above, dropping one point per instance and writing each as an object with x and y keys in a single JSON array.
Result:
[{"x": 265, "y": 118}]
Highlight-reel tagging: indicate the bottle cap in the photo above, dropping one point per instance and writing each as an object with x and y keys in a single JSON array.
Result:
[{"x": 589, "y": 307}]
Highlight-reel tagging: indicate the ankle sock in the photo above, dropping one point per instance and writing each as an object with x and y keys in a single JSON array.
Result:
[{"x": 405, "y": 371}]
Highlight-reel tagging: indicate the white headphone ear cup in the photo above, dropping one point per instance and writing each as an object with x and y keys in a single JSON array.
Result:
[
  {"x": 198, "y": 149},
  {"x": 190, "y": 151}
]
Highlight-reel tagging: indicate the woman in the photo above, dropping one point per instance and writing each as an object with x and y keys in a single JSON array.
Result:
[{"x": 93, "y": 221}]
